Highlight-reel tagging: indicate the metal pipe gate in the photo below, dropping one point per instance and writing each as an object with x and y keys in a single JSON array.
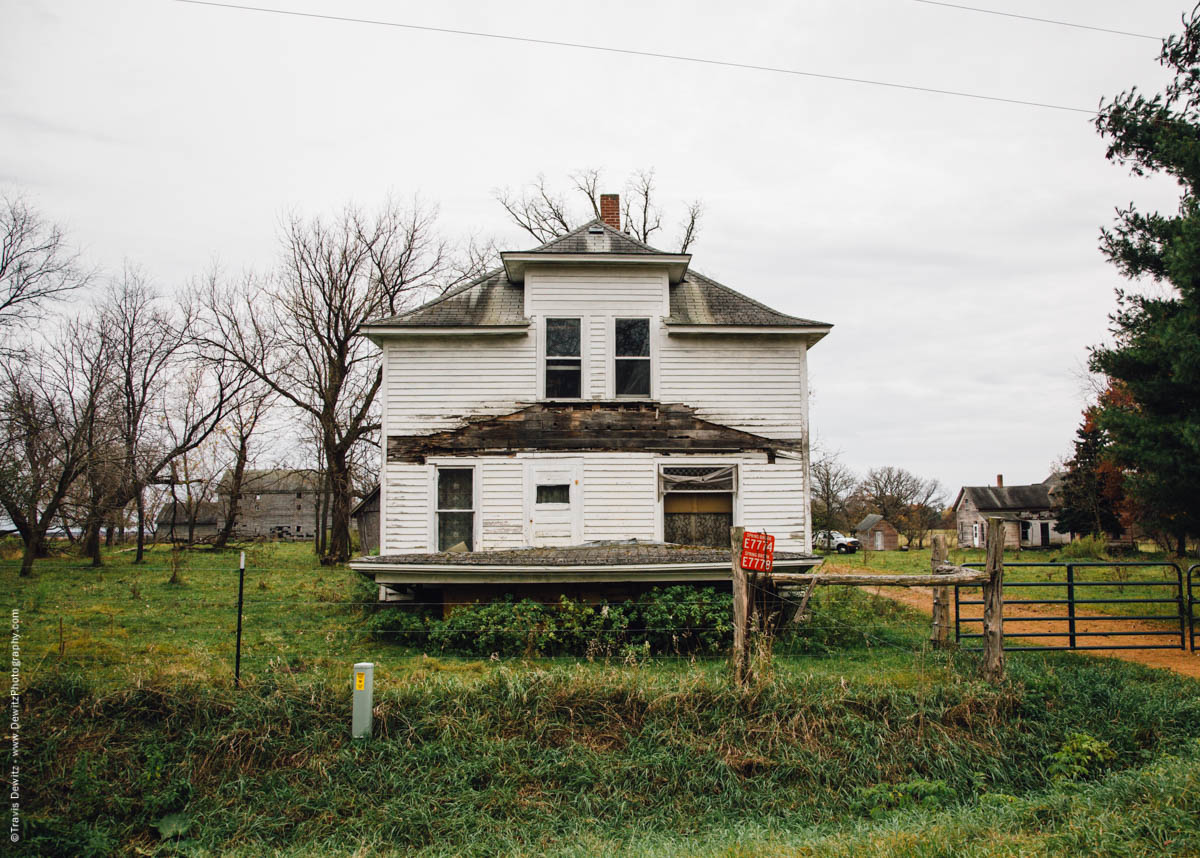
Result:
[{"x": 1183, "y": 600}]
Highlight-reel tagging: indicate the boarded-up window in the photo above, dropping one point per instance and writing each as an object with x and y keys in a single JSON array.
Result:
[
  {"x": 455, "y": 508},
  {"x": 632, "y": 371},
  {"x": 698, "y": 518},
  {"x": 563, "y": 359}
]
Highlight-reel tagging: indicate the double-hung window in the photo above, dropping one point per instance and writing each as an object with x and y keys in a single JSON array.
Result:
[
  {"x": 564, "y": 360},
  {"x": 455, "y": 508},
  {"x": 632, "y": 357}
]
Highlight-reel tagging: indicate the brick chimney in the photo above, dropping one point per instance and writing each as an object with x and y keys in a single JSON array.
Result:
[
  {"x": 610, "y": 210},
  {"x": 999, "y": 480}
]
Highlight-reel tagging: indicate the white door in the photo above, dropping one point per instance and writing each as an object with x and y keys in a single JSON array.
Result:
[
  {"x": 879, "y": 540},
  {"x": 553, "y": 502}
]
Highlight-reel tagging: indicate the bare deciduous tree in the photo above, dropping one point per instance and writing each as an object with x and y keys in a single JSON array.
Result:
[
  {"x": 912, "y": 504},
  {"x": 297, "y": 332},
  {"x": 547, "y": 214},
  {"x": 49, "y": 404},
  {"x": 832, "y": 483},
  {"x": 36, "y": 267},
  {"x": 163, "y": 403},
  {"x": 240, "y": 427}
]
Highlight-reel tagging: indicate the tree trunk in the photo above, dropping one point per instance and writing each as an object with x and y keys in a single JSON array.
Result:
[
  {"x": 339, "y": 508},
  {"x": 33, "y": 549},
  {"x": 235, "y": 492},
  {"x": 91, "y": 540},
  {"x": 1181, "y": 544},
  {"x": 141, "y": 524}
]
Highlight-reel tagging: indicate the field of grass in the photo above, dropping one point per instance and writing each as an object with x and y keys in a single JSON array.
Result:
[{"x": 138, "y": 743}]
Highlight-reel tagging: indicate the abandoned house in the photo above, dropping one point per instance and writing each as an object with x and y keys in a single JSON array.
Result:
[
  {"x": 876, "y": 533},
  {"x": 275, "y": 504},
  {"x": 1027, "y": 512},
  {"x": 591, "y": 417}
]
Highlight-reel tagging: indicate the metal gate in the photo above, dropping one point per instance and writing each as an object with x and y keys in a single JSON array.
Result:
[
  {"x": 1179, "y": 635},
  {"x": 1193, "y": 599}
]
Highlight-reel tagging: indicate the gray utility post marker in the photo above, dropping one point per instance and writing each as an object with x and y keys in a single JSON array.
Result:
[{"x": 364, "y": 690}]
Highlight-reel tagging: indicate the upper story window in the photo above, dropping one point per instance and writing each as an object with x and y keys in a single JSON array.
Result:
[
  {"x": 632, "y": 357},
  {"x": 455, "y": 508},
  {"x": 563, "y": 359}
]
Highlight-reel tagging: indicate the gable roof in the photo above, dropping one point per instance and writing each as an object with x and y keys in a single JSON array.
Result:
[
  {"x": 1006, "y": 498},
  {"x": 868, "y": 522},
  {"x": 587, "y": 239},
  {"x": 494, "y": 301}
]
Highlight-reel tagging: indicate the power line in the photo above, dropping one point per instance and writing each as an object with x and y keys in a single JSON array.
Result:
[
  {"x": 636, "y": 53},
  {"x": 1039, "y": 20}
]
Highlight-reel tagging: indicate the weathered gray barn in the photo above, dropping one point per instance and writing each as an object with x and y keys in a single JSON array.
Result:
[
  {"x": 276, "y": 504},
  {"x": 175, "y": 523}
]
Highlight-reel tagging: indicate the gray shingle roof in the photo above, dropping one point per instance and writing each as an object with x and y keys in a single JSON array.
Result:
[
  {"x": 1009, "y": 498},
  {"x": 868, "y": 522},
  {"x": 586, "y": 239},
  {"x": 490, "y": 301},
  {"x": 700, "y": 300},
  {"x": 494, "y": 301}
]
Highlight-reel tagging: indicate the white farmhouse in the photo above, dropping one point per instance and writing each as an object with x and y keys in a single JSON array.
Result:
[{"x": 573, "y": 419}]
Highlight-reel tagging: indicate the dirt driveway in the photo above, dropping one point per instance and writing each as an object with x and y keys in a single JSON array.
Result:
[{"x": 1180, "y": 661}]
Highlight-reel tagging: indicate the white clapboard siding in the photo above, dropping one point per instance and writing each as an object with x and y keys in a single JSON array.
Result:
[
  {"x": 598, "y": 340},
  {"x": 405, "y": 508},
  {"x": 773, "y": 499},
  {"x": 750, "y": 384},
  {"x": 502, "y": 512},
  {"x": 620, "y": 496},
  {"x": 434, "y": 383},
  {"x": 586, "y": 291}
]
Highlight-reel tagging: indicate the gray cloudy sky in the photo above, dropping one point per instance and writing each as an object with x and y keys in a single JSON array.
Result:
[{"x": 952, "y": 242}]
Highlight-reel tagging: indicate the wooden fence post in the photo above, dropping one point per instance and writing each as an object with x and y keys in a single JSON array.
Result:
[
  {"x": 741, "y": 607},
  {"x": 939, "y": 633},
  {"x": 993, "y": 603}
]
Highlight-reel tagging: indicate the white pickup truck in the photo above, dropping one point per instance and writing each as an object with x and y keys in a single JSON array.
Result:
[{"x": 832, "y": 540}]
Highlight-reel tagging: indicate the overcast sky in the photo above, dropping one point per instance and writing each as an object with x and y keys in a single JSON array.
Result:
[{"x": 952, "y": 242}]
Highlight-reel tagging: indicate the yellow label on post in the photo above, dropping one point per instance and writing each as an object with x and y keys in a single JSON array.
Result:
[{"x": 360, "y": 681}]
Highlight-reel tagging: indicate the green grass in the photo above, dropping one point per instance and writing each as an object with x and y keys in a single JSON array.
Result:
[
  {"x": 490, "y": 759},
  {"x": 138, "y": 743}
]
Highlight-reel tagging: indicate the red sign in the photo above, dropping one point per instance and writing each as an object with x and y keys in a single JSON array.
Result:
[{"x": 758, "y": 552}]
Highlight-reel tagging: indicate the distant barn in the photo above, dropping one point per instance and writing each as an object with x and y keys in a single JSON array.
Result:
[
  {"x": 276, "y": 504},
  {"x": 876, "y": 533}
]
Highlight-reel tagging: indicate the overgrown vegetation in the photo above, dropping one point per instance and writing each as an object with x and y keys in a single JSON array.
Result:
[
  {"x": 673, "y": 621},
  {"x": 484, "y": 759}
]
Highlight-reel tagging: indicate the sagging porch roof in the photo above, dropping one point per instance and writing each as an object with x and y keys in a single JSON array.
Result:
[
  {"x": 585, "y": 426},
  {"x": 588, "y": 563}
]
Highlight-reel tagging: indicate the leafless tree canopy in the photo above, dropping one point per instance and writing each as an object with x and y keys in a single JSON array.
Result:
[
  {"x": 297, "y": 330},
  {"x": 36, "y": 267},
  {"x": 832, "y": 484},
  {"x": 546, "y": 214},
  {"x": 912, "y": 504},
  {"x": 51, "y": 399}
]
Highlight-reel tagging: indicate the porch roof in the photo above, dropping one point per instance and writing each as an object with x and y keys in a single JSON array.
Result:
[{"x": 602, "y": 561}]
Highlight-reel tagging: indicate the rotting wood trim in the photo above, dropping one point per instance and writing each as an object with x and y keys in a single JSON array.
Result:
[
  {"x": 958, "y": 576},
  {"x": 583, "y": 427}
]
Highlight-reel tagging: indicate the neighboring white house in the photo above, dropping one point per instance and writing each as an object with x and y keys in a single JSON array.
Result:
[{"x": 592, "y": 390}]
